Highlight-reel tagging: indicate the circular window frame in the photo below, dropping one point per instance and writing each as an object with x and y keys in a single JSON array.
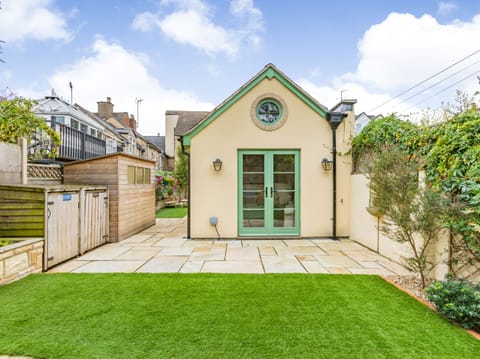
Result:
[{"x": 269, "y": 97}]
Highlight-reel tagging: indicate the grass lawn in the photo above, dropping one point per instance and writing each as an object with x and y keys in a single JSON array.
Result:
[
  {"x": 174, "y": 212},
  {"x": 221, "y": 316}
]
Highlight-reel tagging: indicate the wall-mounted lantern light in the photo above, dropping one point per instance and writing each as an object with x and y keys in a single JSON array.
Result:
[
  {"x": 327, "y": 164},
  {"x": 217, "y": 165}
]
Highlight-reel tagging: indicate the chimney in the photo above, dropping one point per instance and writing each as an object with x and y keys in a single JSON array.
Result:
[
  {"x": 132, "y": 123},
  {"x": 105, "y": 108}
]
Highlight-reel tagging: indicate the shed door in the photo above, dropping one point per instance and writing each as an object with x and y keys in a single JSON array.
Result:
[
  {"x": 269, "y": 193},
  {"x": 62, "y": 227}
]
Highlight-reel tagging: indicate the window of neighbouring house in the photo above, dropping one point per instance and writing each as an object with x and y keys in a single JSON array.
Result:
[
  {"x": 58, "y": 119},
  {"x": 93, "y": 132},
  {"x": 74, "y": 124},
  {"x": 83, "y": 128},
  {"x": 111, "y": 145}
]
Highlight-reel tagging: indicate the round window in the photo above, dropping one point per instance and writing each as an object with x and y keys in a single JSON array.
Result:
[{"x": 269, "y": 112}]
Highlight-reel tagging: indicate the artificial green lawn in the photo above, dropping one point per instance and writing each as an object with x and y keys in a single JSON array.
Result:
[
  {"x": 221, "y": 316},
  {"x": 176, "y": 212}
]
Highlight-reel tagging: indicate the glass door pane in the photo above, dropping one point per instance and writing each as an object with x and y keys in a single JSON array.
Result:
[
  {"x": 284, "y": 189},
  {"x": 253, "y": 185}
]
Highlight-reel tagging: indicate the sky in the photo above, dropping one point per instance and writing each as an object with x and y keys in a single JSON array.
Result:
[{"x": 193, "y": 54}]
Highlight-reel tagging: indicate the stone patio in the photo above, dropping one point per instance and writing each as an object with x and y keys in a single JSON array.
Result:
[{"x": 163, "y": 248}]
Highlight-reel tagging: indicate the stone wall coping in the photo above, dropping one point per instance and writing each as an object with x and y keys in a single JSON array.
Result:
[{"x": 20, "y": 243}]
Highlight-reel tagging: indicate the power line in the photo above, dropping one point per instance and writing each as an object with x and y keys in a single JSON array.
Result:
[
  {"x": 446, "y": 88},
  {"x": 427, "y": 79},
  {"x": 437, "y": 83}
]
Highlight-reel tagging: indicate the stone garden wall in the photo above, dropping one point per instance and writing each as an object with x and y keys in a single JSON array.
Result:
[{"x": 20, "y": 259}]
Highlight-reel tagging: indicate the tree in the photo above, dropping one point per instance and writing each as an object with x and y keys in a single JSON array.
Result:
[
  {"x": 411, "y": 213},
  {"x": 17, "y": 121},
  {"x": 181, "y": 172}
]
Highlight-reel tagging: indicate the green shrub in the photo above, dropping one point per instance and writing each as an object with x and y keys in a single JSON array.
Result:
[{"x": 458, "y": 300}]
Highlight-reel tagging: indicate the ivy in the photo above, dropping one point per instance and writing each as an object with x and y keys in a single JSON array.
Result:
[{"x": 381, "y": 133}]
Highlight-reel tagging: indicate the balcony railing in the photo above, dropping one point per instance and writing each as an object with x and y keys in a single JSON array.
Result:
[{"x": 77, "y": 145}]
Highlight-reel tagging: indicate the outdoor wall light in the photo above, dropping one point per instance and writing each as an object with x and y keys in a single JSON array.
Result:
[
  {"x": 327, "y": 164},
  {"x": 217, "y": 164}
]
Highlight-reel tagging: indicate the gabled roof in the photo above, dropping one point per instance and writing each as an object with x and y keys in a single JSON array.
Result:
[
  {"x": 98, "y": 119},
  {"x": 53, "y": 105},
  {"x": 270, "y": 71},
  {"x": 158, "y": 141},
  {"x": 187, "y": 120}
]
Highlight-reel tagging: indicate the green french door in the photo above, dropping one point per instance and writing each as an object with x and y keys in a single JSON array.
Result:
[{"x": 269, "y": 193}]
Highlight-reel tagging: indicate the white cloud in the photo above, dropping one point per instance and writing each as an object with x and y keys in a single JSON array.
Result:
[
  {"x": 445, "y": 8},
  {"x": 113, "y": 71},
  {"x": 145, "y": 21},
  {"x": 32, "y": 19},
  {"x": 400, "y": 52},
  {"x": 194, "y": 28},
  {"x": 192, "y": 23}
]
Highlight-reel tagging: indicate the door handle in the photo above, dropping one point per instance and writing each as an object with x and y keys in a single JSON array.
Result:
[
  {"x": 271, "y": 192},
  {"x": 266, "y": 192}
]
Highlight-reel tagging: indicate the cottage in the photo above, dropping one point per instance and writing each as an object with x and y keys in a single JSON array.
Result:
[{"x": 256, "y": 164}]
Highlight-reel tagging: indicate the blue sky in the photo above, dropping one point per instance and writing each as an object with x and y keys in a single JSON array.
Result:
[{"x": 192, "y": 54}]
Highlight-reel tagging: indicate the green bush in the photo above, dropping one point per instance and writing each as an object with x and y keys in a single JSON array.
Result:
[{"x": 458, "y": 300}]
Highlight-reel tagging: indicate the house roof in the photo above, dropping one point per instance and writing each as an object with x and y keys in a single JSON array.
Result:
[
  {"x": 187, "y": 120},
  {"x": 98, "y": 119},
  {"x": 269, "y": 71},
  {"x": 53, "y": 105},
  {"x": 158, "y": 141}
]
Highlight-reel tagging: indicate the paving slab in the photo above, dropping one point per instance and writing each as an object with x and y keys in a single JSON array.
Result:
[
  {"x": 67, "y": 267},
  {"x": 106, "y": 252},
  {"x": 337, "y": 261},
  {"x": 314, "y": 267},
  {"x": 109, "y": 267},
  {"x": 174, "y": 251},
  {"x": 242, "y": 254},
  {"x": 301, "y": 250},
  {"x": 170, "y": 242},
  {"x": 232, "y": 267},
  {"x": 298, "y": 242},
  {"x": 277, "y": 264},
  {"x": 267, "y": 251},
  {"x": 137, "y": 238},
  {"x": 192, "y": 267},
  {"x": 165, "y": 264},
  {"x": 138, "y": 254}
]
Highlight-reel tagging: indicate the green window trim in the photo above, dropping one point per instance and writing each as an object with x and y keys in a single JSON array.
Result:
[{"x": 268, "y": 73}]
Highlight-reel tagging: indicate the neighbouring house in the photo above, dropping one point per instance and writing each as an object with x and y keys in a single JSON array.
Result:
[
  {"x": 177, "y": 124},
  {"x": 81, "y": 135},
  {"x": 362, "y": 120},
  {"x": 159, "y": 142},
  {"x": 126, "y": 125},
  {"x": 259, "y": 164}
]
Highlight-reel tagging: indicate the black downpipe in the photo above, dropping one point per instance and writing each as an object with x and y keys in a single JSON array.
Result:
[
  {"x": 334, "y": 154},
  {"x": 189, "y": 190},
  {"x": 335, "y": 119}
]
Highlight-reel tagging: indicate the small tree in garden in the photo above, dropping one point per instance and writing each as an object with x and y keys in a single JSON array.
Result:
[
  {"x": 17, "y": 121},
  {"x": 181, "y": 172},
  {"x": 411, "y": 213}
]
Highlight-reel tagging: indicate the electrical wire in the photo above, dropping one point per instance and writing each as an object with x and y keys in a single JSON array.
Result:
[
  {"x": 427, "y": 79},
  {"x": 446, "y": 88}
]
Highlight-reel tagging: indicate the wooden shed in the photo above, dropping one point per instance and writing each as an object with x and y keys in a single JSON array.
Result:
[
  {"x": 71, "y": 219},
  {"x": 131, "y": 189}
]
